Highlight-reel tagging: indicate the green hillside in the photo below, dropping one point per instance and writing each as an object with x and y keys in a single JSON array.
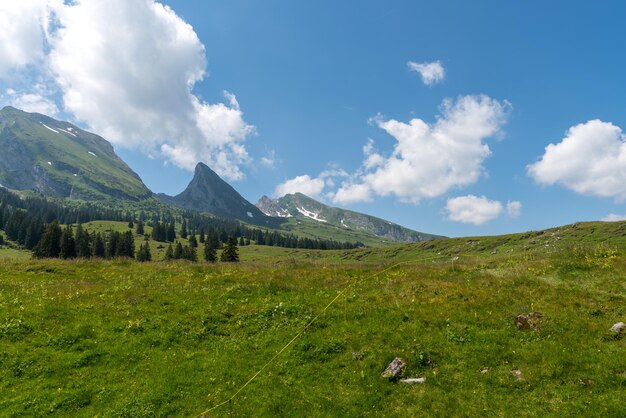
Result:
[
  {"x": 59, "y": 159},
  {"x": 121, "y": 338}
]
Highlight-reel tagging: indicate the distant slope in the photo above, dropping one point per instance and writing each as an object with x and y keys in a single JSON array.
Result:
[
  {"x": 207, "y": 192},
  {"x": 303, "y": 207},
  {"x": 59, "y": 159}
]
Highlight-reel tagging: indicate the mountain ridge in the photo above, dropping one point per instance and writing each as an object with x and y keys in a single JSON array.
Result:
[{"x": 298, "y": 205}]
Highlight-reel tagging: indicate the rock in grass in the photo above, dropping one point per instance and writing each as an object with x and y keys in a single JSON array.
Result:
[
  {"x": 618, "y": 327},
  {"x": 485, "y": 370},
  {"x": 528, "y": 320},
  {"x": 517, "y": 374},
  {"x": 413, "y": 380},
  {"x": 394, "y": 369}
]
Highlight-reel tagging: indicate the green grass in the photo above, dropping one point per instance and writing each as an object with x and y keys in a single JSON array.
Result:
[{"x": 119, "y": 338}]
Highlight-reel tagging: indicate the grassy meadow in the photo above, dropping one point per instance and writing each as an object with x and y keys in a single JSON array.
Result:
[{"x": 121, "y": 338}]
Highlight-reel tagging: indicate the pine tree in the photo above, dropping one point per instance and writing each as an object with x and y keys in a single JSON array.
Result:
[
  {"x": 171, "y": 233},
  {"x": 183, "y": 229},
  {"x": 230, "y": 252},
  {"x": 193, "y": 241},
  {"x": 112, "y": 244},
  {"x": 140, "y": 228},
  {"x": 210, "y": 254},
  {"x": 190, "y": 253},
  {"x": 144, "y": 252},
  {"x": 126, "y": 245},
  {"x": 131, "y": 225},
  {"x": 82, "y": 243},
  {"x": 178, "y": 251},
  {"x": 49, "y": 245},
  {"x": 241, "y": 242},
  {"x": 202, "y": 240},
  {"x": 68, "y": 244},
  {"x": 98, "y": 246},
  {"x": 169, "y": 253}
]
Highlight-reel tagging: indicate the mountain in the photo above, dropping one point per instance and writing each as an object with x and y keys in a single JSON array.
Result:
[
  {"x": 303, "y": 207},
  {"x": 207, "y": 192},
  {"x": 59, "y": 159}
]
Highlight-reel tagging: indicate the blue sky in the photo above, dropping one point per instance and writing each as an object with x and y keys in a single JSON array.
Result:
[{"x": 311, "y": 83}]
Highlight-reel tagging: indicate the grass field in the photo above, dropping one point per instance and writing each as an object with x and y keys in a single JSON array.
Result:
[{"x": 120, "y": 338}]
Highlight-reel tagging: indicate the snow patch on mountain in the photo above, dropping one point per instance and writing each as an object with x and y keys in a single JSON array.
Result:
[
  {"x": 47, "y": 127},
  {"x": 67, "y": 132},
  {"x": 312, "y": 215},
  {"x": 250, "y": 214},
  {"x": 92, "y": 153}
]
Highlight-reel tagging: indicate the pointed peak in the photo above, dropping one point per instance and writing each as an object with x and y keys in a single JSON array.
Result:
[{"x": 201, "y": 166}]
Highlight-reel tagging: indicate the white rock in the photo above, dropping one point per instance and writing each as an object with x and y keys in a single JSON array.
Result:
[
  {"x": 618, "y": 327},
  {"x": 414, "y": 380}
]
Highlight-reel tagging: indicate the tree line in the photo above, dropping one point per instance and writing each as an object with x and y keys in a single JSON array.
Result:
[{"x": 34, "y": 222}]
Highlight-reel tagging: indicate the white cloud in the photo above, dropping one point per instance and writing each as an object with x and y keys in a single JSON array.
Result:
[
  {"x": 514, "y": 208},
  {"x": 31, "y": 102},
  {"x": 614, "y": 218},
  {"x": 429, "y": 159},
  {"x": 134, "y": 85},
  {"x": 431, "y": 72},
  {"x": 311, "y": 187},
  {"x": 471, "y": 209},
  {"x": 22, "y": 33},
  {"x": 269, "y": 160},
  {"x": 590, "y": 160},
  {"x": 353, "y": 193}
]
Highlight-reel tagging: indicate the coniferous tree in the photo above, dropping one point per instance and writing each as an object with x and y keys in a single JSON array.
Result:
[
  {"x": 68, "y": 244},
  {"x": 241, "y": 242},
  {"x": 49, "y": 245},
  {"x": 190, "y": 253},
  {"x": 98, "y": 246},
  {"x": 82, "y": 243},
  {"x": 178, "y": 251},
  {"x": 112, "y": 245},
  {"x": 210, "y": 254},
  {"x": 131, "y": 224},
  {"x": 169, "y": 253},
  {"x": 202, "y": 239},
  {"x": 193, "y": 241},
  {"x": 144, "y": 252},
  {"x": 183, "y": 229},
  {"x": 140, "y": 228},
  {"x": 171, "y": 232},
  {"x": 230, "y": 252},
  {"x": 126, "y": 245}
]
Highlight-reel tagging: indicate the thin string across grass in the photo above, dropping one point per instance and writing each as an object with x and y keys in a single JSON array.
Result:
[{"x": 308, "y": 325}]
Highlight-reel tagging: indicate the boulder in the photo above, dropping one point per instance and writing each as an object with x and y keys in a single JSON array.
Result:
[
  {"x": 528, "y": 320},
  {"x": 413, "y": 380},
  {"x": 394, "y": 369},
  {"x": 618, "y": 327}
]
